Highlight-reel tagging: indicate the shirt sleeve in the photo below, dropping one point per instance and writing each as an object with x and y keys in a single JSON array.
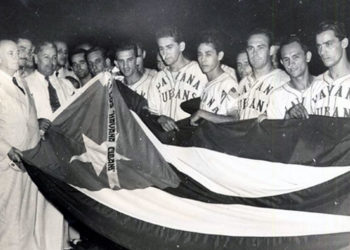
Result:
[
  {"x": 153, "y": 97},
  {"x": 273, "y": 110},
  {"x": 232, "y": 101},
  {"x": 308, "y": 101},
  {"x": 4, "y": 145}
]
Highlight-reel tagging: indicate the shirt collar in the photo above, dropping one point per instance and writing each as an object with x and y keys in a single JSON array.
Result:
[
  {"x": 41, "y": 76},
  {"x": 329, "y": 80},
  {"x": 5, "y": 75}
]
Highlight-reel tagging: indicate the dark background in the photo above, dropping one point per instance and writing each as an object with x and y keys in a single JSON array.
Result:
[{"x": 107, "y": 22}]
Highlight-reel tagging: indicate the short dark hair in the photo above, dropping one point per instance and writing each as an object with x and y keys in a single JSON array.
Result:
[
  {"x": 170, "y": 31},
  {"x": 213, "y": 38},
  {"x": 95, "y": 49},
  {"x": 128, "y": 45},
  {"x": 337, "y": 27},
  {"x": 291, "y": 39},
  {"x": 38, "y": 48},
  {"x": 263, "y": 31},
  {"x": 76, "y": 52},
  {"x": 138, "y": 46}
]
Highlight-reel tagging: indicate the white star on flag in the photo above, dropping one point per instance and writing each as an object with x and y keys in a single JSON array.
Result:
[{"x": 97, "y": 154}]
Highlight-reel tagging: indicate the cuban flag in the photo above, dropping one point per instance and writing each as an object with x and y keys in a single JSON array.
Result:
[{"x": 244, "y": 185}]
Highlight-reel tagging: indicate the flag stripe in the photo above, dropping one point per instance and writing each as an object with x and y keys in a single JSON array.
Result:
[
  {"x": 241, "y": 177},
  {"x": 331, "y": 197},
  {"x": 226, "y": 206},
  {"x": 137, "y": 234}
]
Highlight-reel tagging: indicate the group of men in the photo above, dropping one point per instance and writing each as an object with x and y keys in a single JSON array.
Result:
[{"x": 37, "y": 80}]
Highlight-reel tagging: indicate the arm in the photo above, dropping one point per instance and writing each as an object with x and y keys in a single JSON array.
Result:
[
  {"x": 202, "y": 114},
  {"x": 154, "y": 97},
  {"x": 167, "y": 123}
]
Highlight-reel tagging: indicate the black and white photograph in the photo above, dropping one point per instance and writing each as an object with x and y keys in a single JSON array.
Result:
[{"x": 174, "y": 125}]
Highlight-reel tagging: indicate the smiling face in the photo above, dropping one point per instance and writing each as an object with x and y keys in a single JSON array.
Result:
[
  {"x": 169, "y": 49},
  {"x": 330, "y": 48},
  {"x": 208, "y": 57},
  {"x": 258, "y": 50},
  {"x": 294, "y": 59},
  {"x": 126, "y": 60},
  {"x": 46, "y": 59}
]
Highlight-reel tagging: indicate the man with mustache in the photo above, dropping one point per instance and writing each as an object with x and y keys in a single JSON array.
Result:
[{"x": 26, "y": 58}]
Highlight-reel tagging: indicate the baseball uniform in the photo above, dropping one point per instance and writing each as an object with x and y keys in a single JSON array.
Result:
[
  {"x": 142, "y": 86},
  {"x": 328, "y": 97},
  {"x": 282, "y": 99},
  {"x": 169, "y": 89},
  {"x": 245, "y": 84},
  {"x": 254, "y": 102},
  {"x": 216, "y": 98},
  {"x": 151, "y": 72},
  {"x": 229, "y": 70}
]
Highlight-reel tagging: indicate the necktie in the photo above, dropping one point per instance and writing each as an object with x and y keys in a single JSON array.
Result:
[
  {"x": 54, "y": 102},
  {"x": 14, "y": 80}
]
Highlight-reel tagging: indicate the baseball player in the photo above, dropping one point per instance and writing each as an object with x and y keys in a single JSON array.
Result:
[
  {"x": 133, "y": 78},
  {"x": 217, "y": 103},
  {"x": 264, "y": 78},
  {"x": 141, "y": 55},
  {"x": 229, "y": 70},
  {"x": 243, "y": 66},
  {"x": 329, "y": 94},
  {"x": 160, "y": 64},
  {"x": 180, "y": 81},
  {"x": 295, "y": 57}
]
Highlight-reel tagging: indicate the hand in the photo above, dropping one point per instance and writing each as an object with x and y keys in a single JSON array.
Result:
[
  {"x": 167, "y": 123},
  {"x": 298, "y": 111},
  {"x": 44, "y": 124},
  {"x": 261, "y": 118},
  {"x": 195, "y": 117},
  {"x": 15, "y": 155}
]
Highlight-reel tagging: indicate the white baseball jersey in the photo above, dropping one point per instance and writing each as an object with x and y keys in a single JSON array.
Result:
[
  {"x": 169, "y": 89},
  {"x": 64, "y": 72},
  {"x": 245, "y": 84},
  {"x": 254, "y": 102},
  {"x": 328, "y": 97},
  {"x": 229, "y": 70},
  {"x": 282, "y": 99},
  {"x": 142, "y": 86},
  {"x": 216, "y": 98},
  {"x": 151, "y": 72}
]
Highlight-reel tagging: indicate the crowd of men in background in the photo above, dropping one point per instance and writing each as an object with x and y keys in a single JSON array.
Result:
[{"x": 38, "y": 79}]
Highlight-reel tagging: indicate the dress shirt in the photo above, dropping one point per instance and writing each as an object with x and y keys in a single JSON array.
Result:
[{"x": 38, "y": 87}]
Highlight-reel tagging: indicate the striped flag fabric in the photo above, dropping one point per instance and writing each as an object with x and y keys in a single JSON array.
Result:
[{"x": 245, "y": 185}]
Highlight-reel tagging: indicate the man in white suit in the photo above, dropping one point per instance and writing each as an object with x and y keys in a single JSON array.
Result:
[{"x": 23, "y": 224}]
